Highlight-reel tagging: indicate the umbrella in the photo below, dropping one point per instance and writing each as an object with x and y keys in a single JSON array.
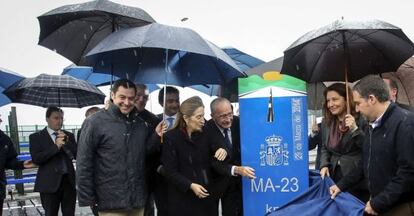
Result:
[
  {"x": 158, "y": 53},
  {"x": 55, "y": 90},
  {"x": 73, "y": 30},
  {"x": 404, "y": 77},
  {"x": 244, "y": 61},
  {"x": 354, "y": 49},
  {"x": 7, "y": 78}
]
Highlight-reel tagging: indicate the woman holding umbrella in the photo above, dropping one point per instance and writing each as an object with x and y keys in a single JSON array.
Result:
[{"x": 341, "y": 137}]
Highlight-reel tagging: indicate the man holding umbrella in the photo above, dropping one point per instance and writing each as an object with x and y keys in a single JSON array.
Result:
[{"x": 388, "y": 151}]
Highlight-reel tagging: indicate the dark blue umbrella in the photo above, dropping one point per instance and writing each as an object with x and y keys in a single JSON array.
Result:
[
  {"x": 7, "y": 78},
  {"x": 158, "y": 53},
  {"x": 97, "y": 79}
]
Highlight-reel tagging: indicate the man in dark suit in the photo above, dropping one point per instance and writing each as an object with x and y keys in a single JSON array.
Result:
[
  {"x": 152, "y": 160},
  {"x": 225, "y": 128},
  {"x": 53, "y": 150},
  {"x": 171, "y": 106}
]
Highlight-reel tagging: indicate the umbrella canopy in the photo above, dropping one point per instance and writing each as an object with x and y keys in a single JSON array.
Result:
[
  {"x": 404, "y": 77},
  {"x": 73, "y": 30},
  {"x": 7, "y": 78},
  {"x": 158, "y": 53},
  {"x": 55, "y": 90},
  {"x": 360, "y": 48}
]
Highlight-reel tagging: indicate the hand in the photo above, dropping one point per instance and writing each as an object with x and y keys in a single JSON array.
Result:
[
  {"x": 245, "y": 171},
  {"x": 334, "y": 191},
  {"x": 199, "y": 190},
  {"x": 350, "y": 122},
  {"x": 220, "y": 154},
  {"x": 324, "y": 172},
  {"x": 29, "y": 164},
  {"x": 369, "y": 210},
  {"x": 60, "y": 139},
  {"x": 315, "y": 128},
  {"x": 161, "y": 128}
]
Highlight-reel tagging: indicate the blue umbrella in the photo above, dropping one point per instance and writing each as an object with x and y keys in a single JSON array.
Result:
[
  {"x": 7, "y": 78},
  {"x": 156, "y": 52},
  {"x": 243, "y": 60},
  {"x": 98, "y": 79}
]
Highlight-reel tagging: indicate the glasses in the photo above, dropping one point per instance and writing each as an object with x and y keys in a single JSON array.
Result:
[{"x": 226, "y": 115}]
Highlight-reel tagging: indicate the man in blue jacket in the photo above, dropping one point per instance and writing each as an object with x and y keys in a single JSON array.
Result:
[{"x": 388, "y": 151}]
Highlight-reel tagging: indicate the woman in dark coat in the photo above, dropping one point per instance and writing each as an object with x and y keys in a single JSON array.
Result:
[
  {"x": 340, "y": 137},
  {"x": 187, "y": 157}
]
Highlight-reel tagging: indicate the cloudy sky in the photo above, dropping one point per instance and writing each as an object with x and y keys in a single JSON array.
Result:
[{"x": 262, "y": 28}]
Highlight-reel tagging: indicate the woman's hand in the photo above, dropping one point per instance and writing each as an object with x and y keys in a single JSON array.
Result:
[
  {"x": 199, "y": 190},
  {"x": 350, "y": 122},
  {"x": 220, "y": 154},
  {"x": 324, "y": 172}
]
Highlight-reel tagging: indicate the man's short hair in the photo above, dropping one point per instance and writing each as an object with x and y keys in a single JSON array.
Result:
[
  {"x": 124, "y": 83},
  {"x": 169, "y": 90},
  {"x": 216, "y": 101},
  {"x": 393, "y": 85},
  {"x": 91, "y": 111},
  {"x": 50, "y": 110},
  {"x": 373, "y": 85}
]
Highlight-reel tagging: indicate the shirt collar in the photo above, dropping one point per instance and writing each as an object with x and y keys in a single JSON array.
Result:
[
  {"x": 377, "y": 122},
  {"x": 50, "y": 130}
]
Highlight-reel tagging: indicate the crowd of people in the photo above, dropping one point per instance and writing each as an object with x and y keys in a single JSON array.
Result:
[{"x": 129, "y": 159}]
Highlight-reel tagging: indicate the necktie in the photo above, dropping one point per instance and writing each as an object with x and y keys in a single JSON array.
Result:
[
  {"x": 170, "y": 122},
  {"x": 227, "y": 138},
  {"x": 55, "y": 134}
]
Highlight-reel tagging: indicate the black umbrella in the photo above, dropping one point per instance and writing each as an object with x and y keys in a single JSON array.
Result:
[
  {"x": 73, "y": 30},
  {"x": 361, "y": 48},
  {"x": 157, "y": 53},
  {"x": 55, "y": 90},
  {"x": 347, "y": 51}
]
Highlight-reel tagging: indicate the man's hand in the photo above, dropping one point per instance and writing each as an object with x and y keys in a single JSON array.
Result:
[
  {"x": 199, "y": 190},
  {"x": 324, "y": 172},
  {"x": 220, "y": 154},
  {"x": 245, "y": 171},
  {"x": 334, "y": 191},
  {"x": 60, "y": 139},
  {"x": 29, "y": 164},
  {"x": 369, "y": 209}
]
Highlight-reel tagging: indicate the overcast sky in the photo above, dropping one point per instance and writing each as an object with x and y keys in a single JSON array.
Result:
[{"x": 262, "y": 28}]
